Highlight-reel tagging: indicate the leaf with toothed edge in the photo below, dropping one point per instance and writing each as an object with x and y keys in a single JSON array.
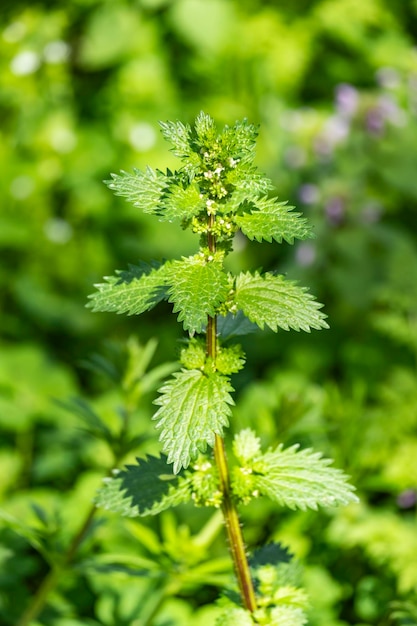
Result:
[
  {"x": 196, "y": 288},
  {"x": 146, "y": 488},
  {"x": 143, "y": 189},
  {"x": 269, "y": 219},
  {"x": 277, "y": 302},
  {"x": 194, "y": 407},
  {"x": 301, "y": 479},
  {"x": 133, "y": 292}
]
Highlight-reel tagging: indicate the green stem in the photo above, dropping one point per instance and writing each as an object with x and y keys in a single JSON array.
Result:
[
  {"x": 51, "y": 580},
  {"x": 230, "y": 514},
  {"x": 40, "y": 598},
  {"x": 234, "y": 531}
]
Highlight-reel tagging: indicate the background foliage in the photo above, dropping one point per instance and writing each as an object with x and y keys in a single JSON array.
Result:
[{"x": 333, "y": 84}]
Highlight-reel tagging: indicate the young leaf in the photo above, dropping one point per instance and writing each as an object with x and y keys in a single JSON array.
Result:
[
  {"x": 144, "y": 489},
  {"x": 142, "y": 189},
  {"x": 193, "y": 408},
  {"x": 269, "y": 219},
  {"x": 278, "y": 303},
  {"x": 197, "y": 287},
  {"x": 233, "y": 616},
  {"x": 248, "y": 185},
  {"x": 288, "y": 615},
  {"x": 178, "y": 135},
  {"x": 182, "y": 203},
  {"x": 205, "y": 130},
  {"x": 132, "y": 292},
  {"x": 239, "y": 141},
  {"x": 301, "y": 479}
]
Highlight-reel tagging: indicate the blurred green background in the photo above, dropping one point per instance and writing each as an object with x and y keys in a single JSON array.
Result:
[{"x": 83, "y": 84}]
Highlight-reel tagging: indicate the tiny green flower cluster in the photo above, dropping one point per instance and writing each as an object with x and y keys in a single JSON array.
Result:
[
  {"x": 229, "y": 360},
  {"x": 205, "y": 489}
]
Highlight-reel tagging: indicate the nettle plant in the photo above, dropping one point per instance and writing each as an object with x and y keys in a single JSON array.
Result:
[{"x": 216, "y": 192}]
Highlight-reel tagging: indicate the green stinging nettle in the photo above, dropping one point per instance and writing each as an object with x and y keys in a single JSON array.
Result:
[{"x": 216, "y": 192}]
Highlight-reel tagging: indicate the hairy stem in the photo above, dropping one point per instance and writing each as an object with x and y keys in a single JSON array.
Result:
[
  {"x": 231, "y": 517},
  {"x": 234, "y": 531}
]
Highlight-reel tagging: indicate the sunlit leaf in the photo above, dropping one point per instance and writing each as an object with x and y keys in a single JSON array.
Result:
[
  {"x": 302, "y": 479},
  {"x": 268, "y": 219},
  {"x": 193, "y": 408},
  {"x": 142, "y": 189},
  {"x": 278, "y": 303},
  {"x": 196, "y": 288},
  {"x": 132, "y": 292}
]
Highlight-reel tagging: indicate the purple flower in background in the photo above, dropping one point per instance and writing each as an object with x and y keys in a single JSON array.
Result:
[
  {"x": 385, "y": 110},
  {"x": 335, "y": 210},
  {"x": 309, "y": 193},
  {"x": 335, "y": 130},
  {"x": 375, "y": 121},
  {"x": 407, "y": 499},
  {"x": 347, "y": 100}
]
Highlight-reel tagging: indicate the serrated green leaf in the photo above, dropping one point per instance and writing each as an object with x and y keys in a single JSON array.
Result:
[
  {"x": 288, "y": 615},
  {"x": 270, "y": 554},
  {"x": 302, "y": 479},
  {"x": 193, "y": 408},
  {"x": 234, "y": 325},
  {"x": 246, "y": 445},
  {"x": 143, "y": 189},
  {"x": 178, "y": 135},
  {"x": 205, "y": 130},
  {"x": 278, "y": 303},
  {"x": 132, "y": 292},
  {"x": 268, "y": 219},
  {"x": 233, "y": 617},
  {"x": 235, "y": 143},
  {"x": 182, "y": 202},
  {"x": 239, "y": 141},
  {"x": 144, "y": 489},
  {"x": 248, "y": 185},
  {"x": 197, "y": 287}
]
